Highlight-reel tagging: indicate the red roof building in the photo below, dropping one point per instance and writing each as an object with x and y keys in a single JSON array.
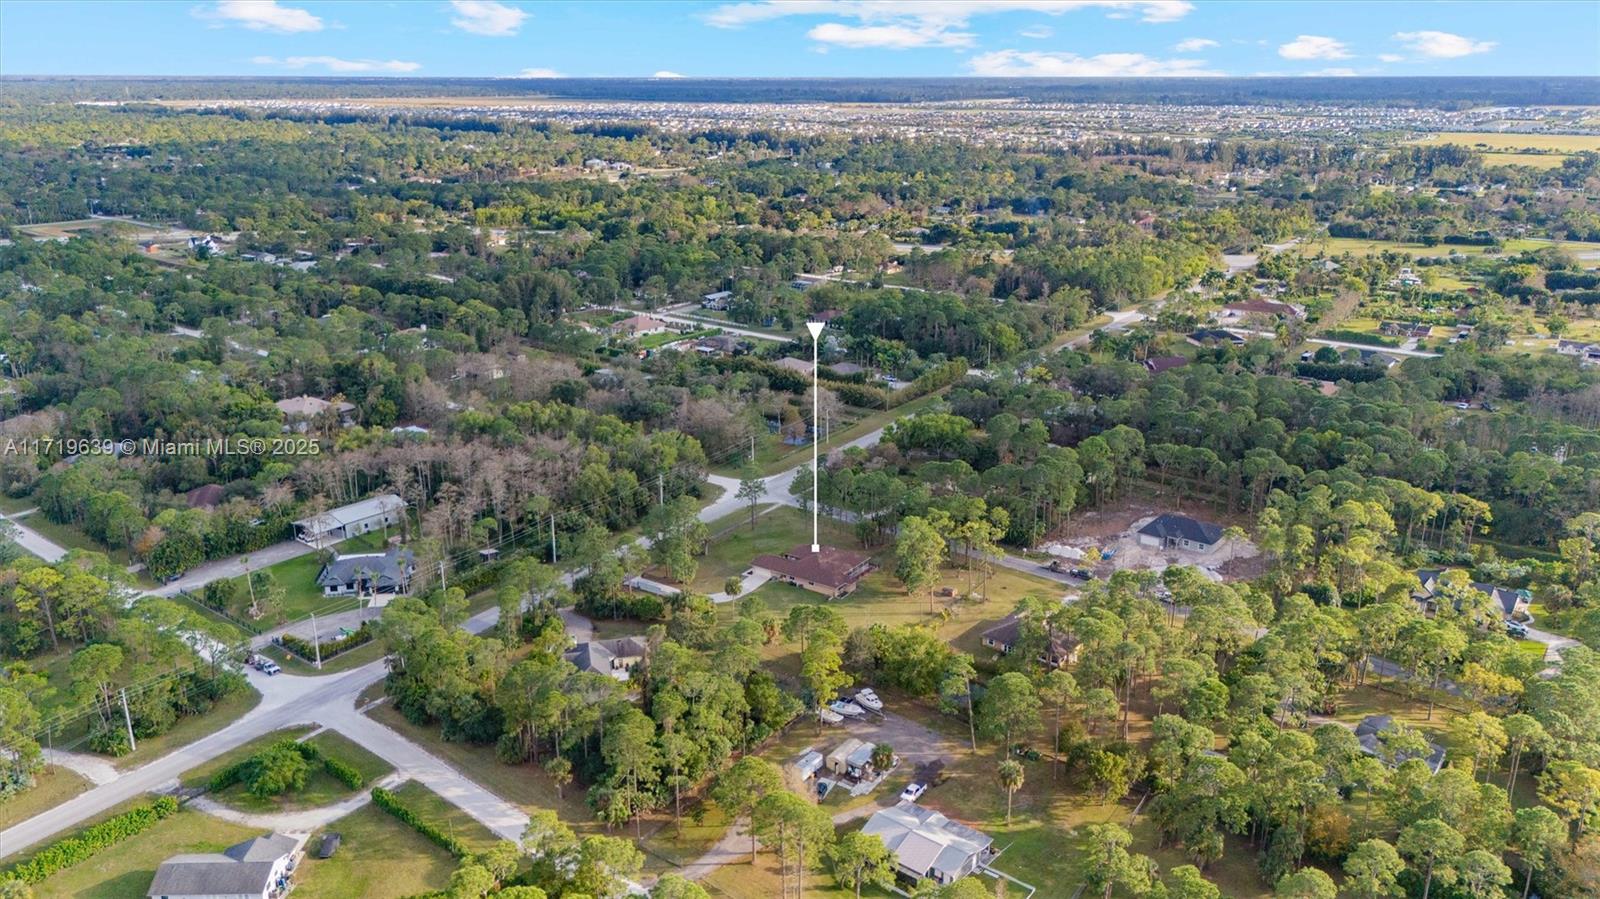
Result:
[{"x": 833, "y": 572}]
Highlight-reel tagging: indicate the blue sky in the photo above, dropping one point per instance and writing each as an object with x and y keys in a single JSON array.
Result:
[{"x": 827, "y": 38}]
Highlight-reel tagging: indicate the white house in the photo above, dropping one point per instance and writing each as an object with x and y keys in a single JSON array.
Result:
[
  {"x": 258, "y": 868},
  {"x": 927, "y": 844},
  {"x": 374, "y": 513}
]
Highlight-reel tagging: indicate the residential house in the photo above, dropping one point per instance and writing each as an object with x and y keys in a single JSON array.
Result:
[
  {"x": 374, "y": 513},
  {"x": 1213, "y": 336},
  {"x": 1369, "y": 733},
  {"x": 926, "y": 844},
  {"x": 258, "y": 868},
  {"x": 1059, "y": 648},
  {"x": 1173, "y": 531},
  {"x": 205, "y": 497},
  {"x": 382, "y": 574},
  {"x": 719, "y": 345},
  {"x": 638, "y": 326},
  {"x": 614, "y": 658},
  {"x": 1158, "y": 364},
  {"x": 831, "y": 571},
  {"x": 799, "y": 366},
  {"x": 1512, "y": 603},
  {"x": 1587, "y": 353},
  {"x": 1234, "y": 313},
  {"x": 301, "y": 413}
]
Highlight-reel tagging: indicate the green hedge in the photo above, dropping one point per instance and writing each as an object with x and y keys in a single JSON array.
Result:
[
  {"x": 390, "y": 803},
  {"x": 307, "y": 650},
  {"x": 339, "y": 770},
  {"x": 71, "y": 851}
]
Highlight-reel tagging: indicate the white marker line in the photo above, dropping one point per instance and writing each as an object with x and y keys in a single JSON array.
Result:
[{"x": 816, "y": 387}]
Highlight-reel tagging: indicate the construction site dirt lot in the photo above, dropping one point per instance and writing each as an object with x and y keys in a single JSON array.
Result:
[{"x": 1113, "y": 530}]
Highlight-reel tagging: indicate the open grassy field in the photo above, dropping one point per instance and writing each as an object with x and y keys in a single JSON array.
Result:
[
  {"x": 773, "y": 455},
  {"x": 124, "y": 871},
  {"x": 52, "y": 786},
  {"x": 321, "y": 787},
  {"x": 379, "y": 858},
  {"x": 1503, "y": 141}
]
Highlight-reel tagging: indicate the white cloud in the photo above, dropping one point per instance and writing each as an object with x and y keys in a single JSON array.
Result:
[
  {"x": 664, "y": 73},
  {"x": 1037, "y": 32},
  {"x": 1334, "y": 72},
  {"x": 1390, "y": 57},
  {"x": 335, "y": 64},
  {"x": 1442, "y": 44},
  {"x": 486, "y": 17},
  {"x": 1028, "y": 64},
  {"x": 260, "y": 15},
  {"x": 540, "y": 73},
  {"x": 899, "y": 24},
  {"x": 890, "y": 37},
  {"x": 1311, "y": 46},
  {"x": 1195, "y": 44}
]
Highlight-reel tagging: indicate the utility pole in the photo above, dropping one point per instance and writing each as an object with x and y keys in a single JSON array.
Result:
[
  {"x": 661, "y": 489},
  {"x": 316, "y": 640},
  {"x": 816, "y": 332},
  {"x": 127, "y": 719},
  {"x": 441, "y": 575},
  {"x": 552, "y": 540},
  {"x": 752, "y": 448}
]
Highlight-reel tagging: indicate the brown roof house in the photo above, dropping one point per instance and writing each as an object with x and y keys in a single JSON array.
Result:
[
  {"x": 300, "y": 412},
  {"x": 639, "y": 326},
  {"x": 1057, "y": 650},
  {"x": 833, "y": 572},
  {"x": 206, "y": 496}
]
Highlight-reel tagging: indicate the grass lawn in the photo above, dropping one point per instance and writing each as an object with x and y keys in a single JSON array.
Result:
[
  {"x": 452, "y": 820},
  {"x": 70, "y": 537},
  {"x": 525, "y": 785},
  {"x": 321, "y": 787},
  {"x": 775, "y": 532},
  {"x": 337, "y": 745},
  {"x": 191, "y": 728},
  {"x": 124, "y": 870},
  {"x": 52, "y": 786},
  {"x": 379, "y": 858},
  {"x": 298, "y": 578}
]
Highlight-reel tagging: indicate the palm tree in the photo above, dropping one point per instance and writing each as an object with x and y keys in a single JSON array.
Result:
[{"x": 1011, "y": 773}]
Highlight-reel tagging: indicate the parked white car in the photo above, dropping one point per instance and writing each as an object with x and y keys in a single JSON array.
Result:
[
  {"x": 847, "y": 709},
  {"x": 869, "y": 700},
  {"x": 913, "y": 792},
  {"x": 829, "y": 716}
]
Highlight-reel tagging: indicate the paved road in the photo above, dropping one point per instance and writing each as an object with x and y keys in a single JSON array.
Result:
[
  {"x": 35, "y": 542},
  {"x": 234, "y": 566}
]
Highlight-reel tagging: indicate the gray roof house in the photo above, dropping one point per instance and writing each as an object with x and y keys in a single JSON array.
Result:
[
  {"x": 258, "y": 868},
  {"x": 611, "y": 657},
  {"x": 927, "y": 844},
  {"x": 1172, "y": 531},
  {"x": 1370, "y": 731},
  {"x": 368, "y": 574},
  {"x": 1510, "y": 601}
]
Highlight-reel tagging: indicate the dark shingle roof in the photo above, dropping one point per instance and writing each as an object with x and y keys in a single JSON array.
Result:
[
  {"x": 832, "y": 567},
  {"x": 390, "y": 570},
  {"x": 1174, "y": 527}
]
